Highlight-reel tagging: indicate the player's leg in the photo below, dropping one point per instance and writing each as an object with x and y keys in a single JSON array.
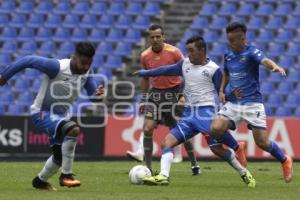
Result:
[
  {"x": 177, "y": 154},
  {"x": 139, "y": 154},
  {"x": 148, "y": 128},
  {"x": 194, "y": 163}
]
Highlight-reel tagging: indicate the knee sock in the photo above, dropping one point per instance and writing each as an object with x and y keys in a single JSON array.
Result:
[
  {"x": 68, "y": 154},
  {"x": 148, "y": 150},
  {"x": 275, "y": 151},
  {"x": 229, "y": 141},
  {"x": 166, "y": 161},
  {"x": 50, "y": 168},
  {"x": 231, "y": 159},
  {"x": 190, "y": 151}
]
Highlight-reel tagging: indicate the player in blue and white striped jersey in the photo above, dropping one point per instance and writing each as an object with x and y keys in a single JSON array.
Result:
[
  {"x": 202, "y": 78},
  {"x": 59, "y": 89}
]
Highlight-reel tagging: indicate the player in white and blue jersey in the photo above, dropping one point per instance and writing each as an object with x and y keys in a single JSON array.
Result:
[
  {"x": 241, "y": 66},
  {"x": 59, "y": 89},
  {"x": 202, "y": 78}
]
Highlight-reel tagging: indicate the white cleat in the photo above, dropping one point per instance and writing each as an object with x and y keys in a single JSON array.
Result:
[
  {"x": 135, "y": 156},
  {"x": 177, "y": 159}
]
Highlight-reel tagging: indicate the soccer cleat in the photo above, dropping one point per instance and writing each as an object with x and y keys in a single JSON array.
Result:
[
  {"x": 135, "y": 156},
  {"x": 68, "y": 180},
  {"x": 287, "y": 168},
  {"x": 196, "y": 170},
  {"x": 177, "y": 159},
  {"x": 241, "y": 154},
  {"x": 248, "y": 179},
  {"x": 156, "y": 180},
  {"x": 42, "y": 185}
]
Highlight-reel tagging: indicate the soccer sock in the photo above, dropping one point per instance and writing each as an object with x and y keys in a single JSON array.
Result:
[
  {"x": 190, "y": 151},
  {"x": 166, "y": 161},
  {"x": 177, "y": 151},
  {"x": 68, "y": 153},
  {"x": 275, "y": 151},
  {"x": 50, "y": 168},
  {"x": 148, "y": 149},
  {"x": 229, "y": 141},
  {"x": 231, "y": 159},
  {"x": 141, "y": 146}
]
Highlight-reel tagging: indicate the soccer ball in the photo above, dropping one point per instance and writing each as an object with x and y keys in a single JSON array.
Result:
[{"x": 138, "y": 173}]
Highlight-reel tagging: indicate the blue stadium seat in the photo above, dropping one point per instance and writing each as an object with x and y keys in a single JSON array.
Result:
[
  {"x": 251, "y": 35},
  {"x": 3, "y": 20},
  {"x": 97, "y": 35},
  {"x": 297, "y": 37},
  {"x": 88, "y": 21},
  {"x": 284, "y": 36},
  {"x": 25, "y": 7},
  {"x": 62, "y": 8},
  {"x": 210, "y": 36},
  {"x": 66, "y": 49},
  {"x": 104, "y": 48},
  {"x": 263, "y": 74},
  {"x": 181, "y": 47},
  {"x": 8, "y": 33},
  {"x": 116, "y": 8},
  {"x": 255, "y": 23},
  {"x": 276, "y": 77},
  {"x": 151, "y": 9},
  {"x": 47, "y": 49},
  {"x": 285, "y": 88},
  {"x": 61, "y": 35},
  {"x": 283, "y": 112},
  {"x": 2, "y": 108},
  {"x": 265, "y": 36},
  {"x": 141, "y": 22},
  {"x": 98, "y": 61},
  {"x": 113, "y": 62},
  {"x": 78, "y": 35},
  {"x": 81, "y": 8},
  {"x": 134, "y": 8},
  {"x": 123, "y": 49},
  {"x": 293, "y": 101},
  {"x": 5, "y": 59},
  {"x": 208, "y": 9},
  {"x": 26, "y": 34},
  {"x": 53, "y": 21},
  {"x": 43, "y": 34},
  {"x": 246, "y": 10},
  {"x": 228, "y": 9},
  {"x": 35, "y": 20},
  {"x": 297, "y": 112},
  {"x": 264, "y": 10},
  {"x": 21, "y": 85},
  {"x": 293, "y": 49},
  {"x": 25, "y": 98},
  {"x": 35, "y": 86},
  {"x": 31, "y": 74},
  {"x": 106, "y": 22},
  {"x": 8, "y": 7},
  {"x": 28, "y": 48},
  {"x": 71, "y": 21},
  {"x": 218, "y": 49},
  {"x": 283, "y": 9},
  {"x": 293, "y": 76},
  {"x": 218, "y": 23},
  {"x": 123, "y": 22},
  {"x": 275, "y": 49},
  {"x": 267, "y": 88},
  {"x": 286, "y": 62},
  {"x": 132, "y": 36},
  {"x": 17, "y": 21},
  {"x": 6, "y": 97},
  {"x": 296, "y": 11},
  {"x": 98, "y": 8},
  {"x": 44, "y": 7},
  {"x": 269, "y": 110},
  {"x": 114, "y": 35},
  {"x": 199, "y": 22},
  {"x": 16, "y": 109},
  {"x": 9, "y": 47},
  {"x": 292, "y": 22},
  {"x": 274, "y": 23},
  {"x": 275, "y": 100}
]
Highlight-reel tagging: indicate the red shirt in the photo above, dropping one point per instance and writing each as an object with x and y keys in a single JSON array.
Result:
[{"x": 169, "y": 55}]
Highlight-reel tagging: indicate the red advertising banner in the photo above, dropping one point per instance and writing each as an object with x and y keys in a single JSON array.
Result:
[{"x": 122, "y": 134}]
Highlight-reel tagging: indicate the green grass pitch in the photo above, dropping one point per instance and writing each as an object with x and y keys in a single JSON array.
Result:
[{"x": 109, "y": 180}]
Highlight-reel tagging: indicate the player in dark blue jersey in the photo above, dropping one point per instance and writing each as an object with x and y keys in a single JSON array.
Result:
[{"x": 241, "y": 67}]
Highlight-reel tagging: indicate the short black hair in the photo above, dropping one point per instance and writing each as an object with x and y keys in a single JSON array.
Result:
[
  {"x": 200, "y": 43},
  {"x": 154, "y": 27},
  {"x": 236, "y": 26},
  {"x": 85, "y": 49}
]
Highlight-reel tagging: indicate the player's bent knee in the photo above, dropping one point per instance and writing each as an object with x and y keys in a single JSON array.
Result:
[
  {"x": 262, "y": 144},
  {"x": 74, "y": 132}
]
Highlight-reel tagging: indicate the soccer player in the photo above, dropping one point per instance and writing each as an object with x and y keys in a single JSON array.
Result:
[
  {"x": 241, "y": 66},
  {"x": 59, "y": 89},
  {"x": 202, "y": 82},
  {"x": 163, "y": 94}
]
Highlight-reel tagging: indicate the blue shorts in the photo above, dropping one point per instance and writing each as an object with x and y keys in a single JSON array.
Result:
[
  {"x": 46, "y": 122},
  {"x": 195, "y": 120}
]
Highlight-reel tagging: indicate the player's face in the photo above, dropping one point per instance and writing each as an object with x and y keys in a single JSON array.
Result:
[
  {"x": 236, "y": 40},
  {"x": 80, "y": 64},
  {"x": 194, "y": 53},
  {"x": 156, "y": 39}
]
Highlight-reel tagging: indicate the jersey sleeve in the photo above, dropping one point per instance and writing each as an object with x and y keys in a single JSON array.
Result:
[
  {"x": 217, "y": 78},
  {"x": 257, "y": 55},
  {"x": 169, "y": 70}
]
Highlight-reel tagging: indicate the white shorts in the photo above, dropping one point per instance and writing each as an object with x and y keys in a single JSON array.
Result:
[{"x": 253, "y": 114}]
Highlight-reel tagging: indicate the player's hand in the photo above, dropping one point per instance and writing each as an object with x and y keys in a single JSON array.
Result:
[
  {"x": 280, "y": 70},
  {"x": 136, "y": 73},
  {"x": 237, "y": 93},
  {"x": 222, "y": 97},
  {"x": 100, "y": 91},
  {"x": 2, "y": 81}
]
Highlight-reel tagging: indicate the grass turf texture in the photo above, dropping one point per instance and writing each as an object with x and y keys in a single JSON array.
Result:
[{"x": 109, "y": 180}]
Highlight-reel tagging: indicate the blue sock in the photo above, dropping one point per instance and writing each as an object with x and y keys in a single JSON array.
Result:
[
  {"x": 229, "y": 140},
  {"x": 166, "y": 150},
  {"x": 275, "y": 151}
]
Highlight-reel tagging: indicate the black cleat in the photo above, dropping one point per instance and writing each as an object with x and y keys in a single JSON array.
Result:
[
  {"x": 42, "y": 185},
  {"x": 196, "y": 170}
]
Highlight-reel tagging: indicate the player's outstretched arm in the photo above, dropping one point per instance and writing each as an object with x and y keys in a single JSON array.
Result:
[
  {"x": 45, "y": 65},
  {"x": 94, "y": 92},
  {"x": 272, "y": 66}
]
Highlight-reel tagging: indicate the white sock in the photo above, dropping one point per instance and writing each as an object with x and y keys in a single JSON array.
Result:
[
  {"x": 68, "y": 153},
  {"x": 177, "y": 151},
  {"x": 140, "y": 149},
  {"x": 165, "y": 163},
  {"x": 231, "y": 159},
  {"x": 50, "y": 168}
]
